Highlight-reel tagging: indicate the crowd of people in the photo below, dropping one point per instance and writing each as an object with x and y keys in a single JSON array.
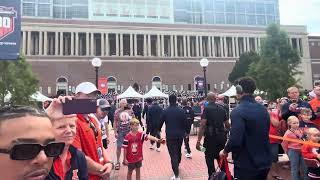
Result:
[{"x": 47, "y": 144}]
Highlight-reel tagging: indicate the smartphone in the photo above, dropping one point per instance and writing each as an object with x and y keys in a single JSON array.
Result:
[{"x": 79, "y": 106}]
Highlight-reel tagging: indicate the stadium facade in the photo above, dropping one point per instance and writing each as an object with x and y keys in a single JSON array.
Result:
[
  {"x": 147, "y": 42},
  {"x": 314, "y": 45}
]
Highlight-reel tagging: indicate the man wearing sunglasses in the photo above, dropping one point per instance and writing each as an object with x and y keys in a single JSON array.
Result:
[
  {"x": 103, "y": 107},
  {"x": 88, "y": 136},
  {"x": 27, "y": 144}
]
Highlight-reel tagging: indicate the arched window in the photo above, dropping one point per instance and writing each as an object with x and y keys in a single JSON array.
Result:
[
  {"x": 62, "y": 86},
  {"x": 156, "y": 81},
  {"x": 112, "y": 84}
]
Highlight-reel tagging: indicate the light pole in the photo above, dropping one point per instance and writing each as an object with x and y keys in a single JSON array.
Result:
[
  {"x": 96, "y": 63},
  {"x": 204, "y": 63}
]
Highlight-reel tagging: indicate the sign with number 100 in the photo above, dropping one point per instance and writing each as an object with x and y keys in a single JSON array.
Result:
[{"x": 5, "y": 22}]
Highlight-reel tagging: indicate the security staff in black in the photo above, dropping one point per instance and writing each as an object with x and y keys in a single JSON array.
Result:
[
  {"x": 213, "y": 121},
  {"x": 190, "y": 119}
]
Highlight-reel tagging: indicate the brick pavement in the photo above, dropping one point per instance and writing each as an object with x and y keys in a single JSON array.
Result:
[{"x": 156, "y": 165}]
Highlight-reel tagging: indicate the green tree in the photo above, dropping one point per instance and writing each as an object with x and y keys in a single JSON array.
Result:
[
  {"x": 242, "y": 66},
  {"x": 17, "y": 78},
  {"x": 278, "y": 65}
]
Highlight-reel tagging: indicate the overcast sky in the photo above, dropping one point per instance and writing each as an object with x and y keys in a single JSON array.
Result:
[{"x": 301, "y": 12}]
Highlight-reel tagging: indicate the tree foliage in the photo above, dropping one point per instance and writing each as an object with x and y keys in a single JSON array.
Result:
[
  {"x": 278, "y": 65},
  {"x": 242, "y": 66},
  {"x": 17, "y": 78}
]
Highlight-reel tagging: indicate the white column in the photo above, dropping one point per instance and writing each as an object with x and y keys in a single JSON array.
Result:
[
  {"x": 237, "y": 47},
  {"x": 61, "y": 43},
  {"x": 176, "y": 46},
  {"x": 56, "y": 43},
  {"x": 24, "y": 42},
  {"x": 92, "y": 44},
  {"x": 77, "y": 44},
  {"x": 145, "y": 45},
  {"x": 184, "y": 46},
  {"x": 298, "y": 46},
  {"x": 256, "y": 44},
  {"x": 233, "y": 47},
  {"x": 162, "y": 45},
  {"x": 197, "y": 46},
  {"x": 121, "y": 44},
  {"x": 221, "y": 47},
  {"x": 135, "y": 44},
  {"x": 248, "y": 44},
  {"x": 40, "y": 42},
  {"x": 149, "y": 45},
  {"x": 45, "y": 43},
  {"x": 107, "y": 45},
  {"x": 290, "y": 41},
  {"x": 29, "y": 43},
  {"x": 171, "y": 46},
  {"x": 158, "y": 46},
  {"x": 131, "y": 44},
  {"x": 244, "y": 44},
  {"x": 225, "y": 46},
  {"x": 259, "y": 43},
  {"x": 87, "y": 44},
  {"x": 102, "y": 44},
  {"x": 213, "y": 48},
  {"x": 117, "y": 44},
  {"x": 72, "y": 44},
  {"x": 209, "y": 47},
  {"x": 188, "y": 46},
  {"x": 201, "y": 49}
]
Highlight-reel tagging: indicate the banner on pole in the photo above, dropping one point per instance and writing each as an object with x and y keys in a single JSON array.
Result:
[{"x": 10, "y": 29}]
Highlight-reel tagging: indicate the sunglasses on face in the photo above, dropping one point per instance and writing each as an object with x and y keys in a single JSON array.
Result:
[{"x": 30, "y": 151}]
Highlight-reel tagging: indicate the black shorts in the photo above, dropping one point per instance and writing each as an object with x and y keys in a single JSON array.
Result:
[
  {"x": 132, "y": 166},
  {"x": 104, "y": 143}
]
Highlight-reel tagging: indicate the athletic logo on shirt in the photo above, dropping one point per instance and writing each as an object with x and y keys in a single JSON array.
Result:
[{"x": 75, "y": 174}]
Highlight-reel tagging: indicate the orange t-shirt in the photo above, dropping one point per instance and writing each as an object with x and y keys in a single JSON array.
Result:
[
  {"x": 315, "y": 103},
  {"x": 58, "y": 166},
  {"x": 87, "y": 140}
]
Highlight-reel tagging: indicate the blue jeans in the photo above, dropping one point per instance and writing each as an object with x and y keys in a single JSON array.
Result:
[{"x": 296, "y": 160}]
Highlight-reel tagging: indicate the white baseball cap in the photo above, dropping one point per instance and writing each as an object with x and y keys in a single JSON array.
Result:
[{"x": 86, "y": 88}]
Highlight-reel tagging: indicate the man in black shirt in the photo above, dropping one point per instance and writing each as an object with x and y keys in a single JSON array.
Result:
[
  {"x": 213, "y": 120},
  {"x": 175, "y": 120}
]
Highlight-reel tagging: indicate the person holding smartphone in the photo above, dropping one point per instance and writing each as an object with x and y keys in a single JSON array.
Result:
[
  {"x": 294, "y": 104},
  {"x": 88, "y": 137}
]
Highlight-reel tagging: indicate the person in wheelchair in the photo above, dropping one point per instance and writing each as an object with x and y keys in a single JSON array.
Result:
[{"x": 311, "y": 154}]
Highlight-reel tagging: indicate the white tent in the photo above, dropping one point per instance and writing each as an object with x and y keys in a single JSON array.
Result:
[
  {"x": 40, "y": 97},
  {"x": 129, "y": 93},
  {"x": 230, "y": 92},
  {"x": 154, "y": 93},
  {"x": 36, "y": 96}
]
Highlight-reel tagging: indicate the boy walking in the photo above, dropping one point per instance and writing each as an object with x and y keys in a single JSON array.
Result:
[{"x": 132, "y": 144}]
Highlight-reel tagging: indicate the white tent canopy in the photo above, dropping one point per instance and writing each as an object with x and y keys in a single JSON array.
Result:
[
  {"x": 230, "y": 92},
  {"x": 36, "y": 96},
  {"x": 40, "y": 97},
  {"x": 129, "y": 93},
  {"x": 154, "y": 93}
]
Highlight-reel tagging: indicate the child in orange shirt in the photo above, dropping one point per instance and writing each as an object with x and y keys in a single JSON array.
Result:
[{"x": 312, "y": 153}]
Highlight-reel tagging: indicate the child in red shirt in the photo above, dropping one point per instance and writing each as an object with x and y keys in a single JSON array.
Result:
[
  {"x": 132, "y": 144},
  {"x": 312, "y": 153}
]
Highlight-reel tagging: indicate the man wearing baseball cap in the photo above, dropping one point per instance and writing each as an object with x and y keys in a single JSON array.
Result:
[
  {"x": 89, "y": 138},
  {"x": 103, "y": 108}
]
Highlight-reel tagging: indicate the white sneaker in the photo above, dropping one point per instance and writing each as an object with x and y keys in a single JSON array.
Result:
[
  {"x": 158, "y": 149},
  {"x": 175, "y": 178},
  {"x": 151, "y": 147},
  {"x": 188, "y": 155}
]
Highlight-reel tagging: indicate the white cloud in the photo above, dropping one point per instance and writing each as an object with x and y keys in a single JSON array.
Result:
[{"x": 301, "y": 12}]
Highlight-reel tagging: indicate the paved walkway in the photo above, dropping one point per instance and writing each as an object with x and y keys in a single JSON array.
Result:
[{"x": 156, "y": 165}]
